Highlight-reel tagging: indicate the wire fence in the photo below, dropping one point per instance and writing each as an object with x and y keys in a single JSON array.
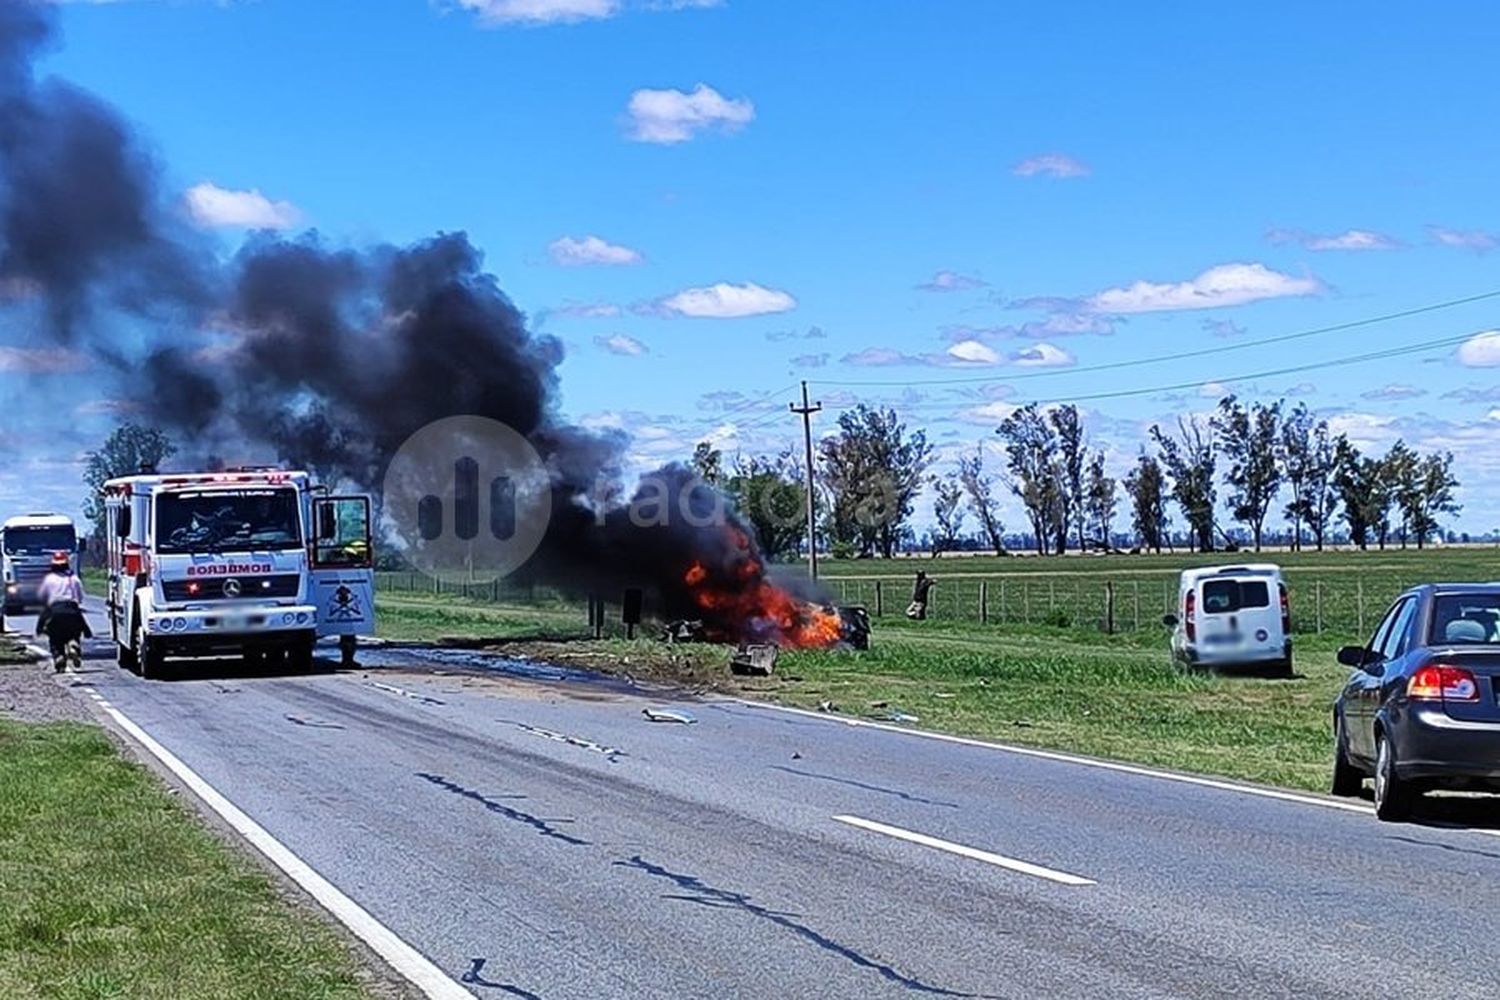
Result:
[{"x": 1345, "y": 603}]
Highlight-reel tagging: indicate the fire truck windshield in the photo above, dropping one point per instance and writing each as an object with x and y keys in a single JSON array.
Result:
[
  {"x": 227, "y": 520},
  {"x": 36, "y": 538}
]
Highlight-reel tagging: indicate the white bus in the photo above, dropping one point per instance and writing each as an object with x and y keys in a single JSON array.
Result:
[
  {"x": 259, "y": 563},
  {"x": 27, "y": 544}
]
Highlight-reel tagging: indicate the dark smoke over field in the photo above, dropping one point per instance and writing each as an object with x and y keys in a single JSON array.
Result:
[{"x": 325, "y": 356}]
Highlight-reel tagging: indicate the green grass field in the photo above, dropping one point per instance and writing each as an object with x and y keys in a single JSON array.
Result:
[
  {"x": 111, "y": 888},
  {"x": 1065, "y": 687}
]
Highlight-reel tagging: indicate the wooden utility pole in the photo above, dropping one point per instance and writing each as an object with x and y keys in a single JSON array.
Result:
[{"x": 806, "y": 411}]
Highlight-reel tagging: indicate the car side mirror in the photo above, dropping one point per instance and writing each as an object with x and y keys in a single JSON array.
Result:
[
  {"x": 1353, "y": 656},
  {"x": 1170, "y": 621}
]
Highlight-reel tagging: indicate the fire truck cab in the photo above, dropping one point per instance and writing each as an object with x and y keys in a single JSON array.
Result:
[{"x": 259, "y": 563}]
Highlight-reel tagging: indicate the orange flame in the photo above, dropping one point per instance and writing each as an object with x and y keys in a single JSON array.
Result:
[{"x": 745, "y": 605}]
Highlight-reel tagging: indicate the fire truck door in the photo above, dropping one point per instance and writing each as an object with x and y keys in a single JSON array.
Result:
[{"x": 343, "y": 573}]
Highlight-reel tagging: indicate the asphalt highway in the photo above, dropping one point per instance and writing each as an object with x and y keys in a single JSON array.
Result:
[{"x": 535, "y": 834}]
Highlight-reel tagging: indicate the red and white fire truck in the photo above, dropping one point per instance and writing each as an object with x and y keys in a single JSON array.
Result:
[{"x": 255, "y": 562}]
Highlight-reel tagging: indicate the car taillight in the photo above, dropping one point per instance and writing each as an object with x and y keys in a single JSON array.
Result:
[
  {"x": 1189, "y": 605},
  {"x": 1437, "y": 682},
  {"x": 1286, "y": 612}
]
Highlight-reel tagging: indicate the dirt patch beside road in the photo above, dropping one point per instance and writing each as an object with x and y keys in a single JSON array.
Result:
[{"x": 27, "y": 691}]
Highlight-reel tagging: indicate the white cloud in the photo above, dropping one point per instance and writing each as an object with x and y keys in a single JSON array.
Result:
[
  {"x": 1050, "y": 165},
  {"x": 534, "y": 12},
  {"x": 1494, "y": 414},
  {"x": 211, "y": 205},
  {"x": 880, "y": 357},
  {"x": 989, "y": 413},
  {"x": 1464, "y": 239},
  {"x": 1481, "y": 350},
  {"x": 672, "y": 116},
  {"x": 1350, "y": 239},
  {"x": 621, "y": 343},
  {"x": 591, "y": 310},
  {"x": 1213, "y": 390},
  {"x": 110, "y": 406},
  {"x": 726, "y": 301},
  {"x": 42, "y": 360},
  {"x": 1224, "y": 285},
  {"x": 1394, "y": 391},
  {"x": 1366, "y": 430},
  {"x": 974, "y": 352},
  {"x": 951, "y": 281},
  {"x": 1043, "y": 355},
  {"x": 570, "y": 252}
]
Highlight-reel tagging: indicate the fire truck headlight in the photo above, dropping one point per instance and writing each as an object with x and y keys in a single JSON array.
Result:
[
  {"x": 302, "y": 617},
  {"x": 288, "y": 618},
  {"x": 179, "y": 623}
]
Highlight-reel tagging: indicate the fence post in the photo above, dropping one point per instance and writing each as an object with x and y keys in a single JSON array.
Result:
[
  {"x": 1051, "y": 596},
  {"x": 879, "y": 600},
  {"x": 1318, "y": 591},
  {"x": 1136, "y": 588},
  {"x": 1109, "y": 607},
  {"x": 1076, "y": 611},
  {"x": 1002, "y": 600},
  {"x": 1026, "y": 601},
  {"x": 1360, "y": 598},
  {"x": 984, "y": 602}
]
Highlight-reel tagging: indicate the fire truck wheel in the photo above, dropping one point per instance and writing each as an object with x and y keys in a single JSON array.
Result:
[
  {"x": 125, "y": 657},
  {"x": 300, "y": 655},
  {"x": 150, "y": 655}
]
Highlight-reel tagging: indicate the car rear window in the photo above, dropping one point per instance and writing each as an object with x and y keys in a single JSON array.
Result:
[
  {"x": 1224, "y": 596},
  {"x": 1465, "y": 620}
]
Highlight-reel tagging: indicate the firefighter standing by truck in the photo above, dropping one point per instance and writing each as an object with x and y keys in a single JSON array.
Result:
[{"x": 62, "y": 619}]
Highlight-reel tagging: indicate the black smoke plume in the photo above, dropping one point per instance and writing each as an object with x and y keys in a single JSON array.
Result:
[{"x": 325, "y": 356}]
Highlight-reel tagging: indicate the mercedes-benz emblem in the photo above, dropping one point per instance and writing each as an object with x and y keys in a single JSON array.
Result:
[{"x": 231, "y": 587}]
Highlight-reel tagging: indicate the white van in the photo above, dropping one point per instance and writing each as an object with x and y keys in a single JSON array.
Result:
[{"x": 1233, "y": 616}]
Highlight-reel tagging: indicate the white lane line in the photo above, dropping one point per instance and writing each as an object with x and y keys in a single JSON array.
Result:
[
  {"x": 1067, "y": 758},
  {"x": 973, "y": 853},
  {"x": 423, "y": 974}
]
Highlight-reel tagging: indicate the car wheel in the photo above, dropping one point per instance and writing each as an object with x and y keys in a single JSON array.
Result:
[
  {"x": 1393, "y": 797},
  {"x": 1347, "y": 779}
]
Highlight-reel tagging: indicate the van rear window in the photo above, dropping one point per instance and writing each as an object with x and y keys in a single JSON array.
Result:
[{"x": 1223, "y": 596}]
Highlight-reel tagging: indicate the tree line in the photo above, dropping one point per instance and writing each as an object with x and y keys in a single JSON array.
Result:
[{"x": 1250, "y": 460}]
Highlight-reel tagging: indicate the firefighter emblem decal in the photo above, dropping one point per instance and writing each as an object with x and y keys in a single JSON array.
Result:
[{"x": 344, "y": 606}]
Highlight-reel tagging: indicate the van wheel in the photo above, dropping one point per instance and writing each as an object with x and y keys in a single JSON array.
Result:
[
  {"x": 1347, "y": 779},
  {"x": 149, "y": 655}
]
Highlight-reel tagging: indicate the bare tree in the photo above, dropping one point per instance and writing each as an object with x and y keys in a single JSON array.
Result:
[
  {"x": 1100, "y": 499},
  {"x": 982, "y": 501},
  {"x": 1032, "y": 471},
  {"x": 1249, "y": 436},
  {"x": 1146, "y": 486},
  {"x": 1072, "y": 455},
  {"x": 948, "y": 511},
  {"x": 1294, "y": 449},
  {"x": 1190, "y": 460}
]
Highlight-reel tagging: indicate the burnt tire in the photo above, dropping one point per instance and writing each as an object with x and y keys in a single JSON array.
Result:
[
  {"x": 1394, "y": 798},
  {"x": 1348, "y": 780}
]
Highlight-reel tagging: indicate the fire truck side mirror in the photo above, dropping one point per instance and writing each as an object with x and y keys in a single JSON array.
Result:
[{"x": 122, "y": 521}]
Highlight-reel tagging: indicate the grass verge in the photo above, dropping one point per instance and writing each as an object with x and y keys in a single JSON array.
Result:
[
  {"x": 1066, "y": 689},
  {"x": 109, "y": 888}
]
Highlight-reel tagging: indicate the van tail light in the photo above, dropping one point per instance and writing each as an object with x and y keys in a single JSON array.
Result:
[
  {"x": 1439, "y": 682},
  {"x": 1286, "y": 612},
  {"x": 1189, "y": 605}
]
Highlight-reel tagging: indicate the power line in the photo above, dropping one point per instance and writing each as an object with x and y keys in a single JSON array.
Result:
[
  {"x": 1416, "y": 348},
  {"x": 1180, "y": 356}
]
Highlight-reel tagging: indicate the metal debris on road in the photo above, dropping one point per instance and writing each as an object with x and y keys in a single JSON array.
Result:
[
  {"x": 666, "y": 715},
  {"x": 756, "y": 659},
  {"x": 900, "y": 717},
  {"x": 312, "y": 723},
  {"x": 827, "y": 706}
]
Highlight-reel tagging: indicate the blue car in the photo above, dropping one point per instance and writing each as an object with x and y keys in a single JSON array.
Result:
[{"x": 1422, "y": 708}]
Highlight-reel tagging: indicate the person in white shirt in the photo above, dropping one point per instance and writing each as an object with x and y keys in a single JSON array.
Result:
[{"x": 62, "y": 618}]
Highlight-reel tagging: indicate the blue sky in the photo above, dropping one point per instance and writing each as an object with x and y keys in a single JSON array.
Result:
[{"x": 707, "y": 202}]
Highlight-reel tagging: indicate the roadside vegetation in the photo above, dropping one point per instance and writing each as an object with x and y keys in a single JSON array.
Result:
[{"x": 109, "y": 887}]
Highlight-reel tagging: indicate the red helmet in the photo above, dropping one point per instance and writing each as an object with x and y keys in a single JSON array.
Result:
[{"x": 61, "y": 558}]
